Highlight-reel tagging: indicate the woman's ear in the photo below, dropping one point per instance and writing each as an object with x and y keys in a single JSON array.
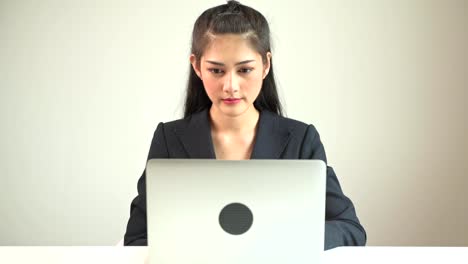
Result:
[
  {"x": 193, "y": 61},
  {"x": 266, "y": 65}
]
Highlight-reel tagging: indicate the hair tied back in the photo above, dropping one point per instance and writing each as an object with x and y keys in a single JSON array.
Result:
[{"x": 233, "y": 7}]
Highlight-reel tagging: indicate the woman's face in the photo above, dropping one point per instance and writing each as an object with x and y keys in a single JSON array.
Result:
[{"x": 232, "y": 73}]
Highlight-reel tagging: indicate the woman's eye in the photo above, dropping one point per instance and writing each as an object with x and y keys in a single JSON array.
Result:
[
  {"x": 219, "y": 71},
  {"x": 246, "y": 70},
  {"x": 215, "y": 71}
]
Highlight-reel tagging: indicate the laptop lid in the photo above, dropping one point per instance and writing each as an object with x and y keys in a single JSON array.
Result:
[{"x": 235, "y": 211}]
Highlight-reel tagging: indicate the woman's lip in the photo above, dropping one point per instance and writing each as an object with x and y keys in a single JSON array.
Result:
[{"x": 231, "y": 100}]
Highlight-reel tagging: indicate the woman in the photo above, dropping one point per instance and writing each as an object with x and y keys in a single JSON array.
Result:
[{"x": 232, "y": 111}]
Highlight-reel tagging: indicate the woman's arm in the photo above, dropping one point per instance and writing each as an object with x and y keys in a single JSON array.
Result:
[
  {"x": 136, "y": 234},
  {"x": 342, "y": 227}
]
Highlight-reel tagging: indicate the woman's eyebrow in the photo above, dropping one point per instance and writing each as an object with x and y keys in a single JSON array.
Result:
[{"x": 222, "y": 64}]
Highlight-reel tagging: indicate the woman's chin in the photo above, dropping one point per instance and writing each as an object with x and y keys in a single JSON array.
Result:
[{"x": 233, "y": 111}]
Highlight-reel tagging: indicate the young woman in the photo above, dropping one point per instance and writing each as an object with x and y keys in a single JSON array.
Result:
[{"x": 232, "y": 111}]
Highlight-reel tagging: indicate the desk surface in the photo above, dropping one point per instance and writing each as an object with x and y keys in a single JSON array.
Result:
[
  {"x": 137, "y": 255},
  {"x": 393, "y": 255}
]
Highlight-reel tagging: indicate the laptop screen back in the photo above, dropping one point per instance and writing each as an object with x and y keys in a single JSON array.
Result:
[{"x": 249, "y": 211}]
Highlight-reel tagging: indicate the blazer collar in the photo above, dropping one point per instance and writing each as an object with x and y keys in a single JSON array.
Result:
[{"x": 270, "y": 141}]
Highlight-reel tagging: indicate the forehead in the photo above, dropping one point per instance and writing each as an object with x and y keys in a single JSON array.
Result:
[{"x": 229, "y": 46}]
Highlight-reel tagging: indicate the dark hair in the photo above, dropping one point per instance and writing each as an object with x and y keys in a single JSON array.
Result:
[{"x": 237, "y": 19}]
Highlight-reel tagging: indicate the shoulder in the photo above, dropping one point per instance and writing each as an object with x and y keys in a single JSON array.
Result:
[
  {"x": 179, "y": 125},
  {"x": 303, "y": 139},
  {"x": 295, "y": 127}
]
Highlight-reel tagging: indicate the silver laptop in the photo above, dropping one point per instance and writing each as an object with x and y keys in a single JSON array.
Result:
[{"x": 203, "y": 211}]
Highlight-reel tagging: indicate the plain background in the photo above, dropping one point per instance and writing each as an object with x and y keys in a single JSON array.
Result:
[{"x": 83, "y": 85}]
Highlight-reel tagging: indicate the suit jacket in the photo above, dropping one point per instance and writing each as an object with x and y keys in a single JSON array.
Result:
[{"x": 277, "y": 138}]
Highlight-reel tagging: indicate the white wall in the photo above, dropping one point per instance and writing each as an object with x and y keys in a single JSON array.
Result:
[{"x": 84, "y": 83}]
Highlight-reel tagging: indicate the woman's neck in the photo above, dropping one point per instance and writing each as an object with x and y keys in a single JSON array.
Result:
[{"x": 234, "y": 124}]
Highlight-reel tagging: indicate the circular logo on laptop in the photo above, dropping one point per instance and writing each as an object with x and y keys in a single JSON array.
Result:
[{"x": 235, "y": 218}]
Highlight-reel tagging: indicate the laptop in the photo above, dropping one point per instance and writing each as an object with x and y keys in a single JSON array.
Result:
[{"x": 205, "y": 211}]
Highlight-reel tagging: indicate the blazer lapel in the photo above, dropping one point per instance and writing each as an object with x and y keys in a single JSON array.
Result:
[
  {"x": 270, "y": 141},
  {"x": 196, "y": 136},
  {"x": 271, "y": 138}
]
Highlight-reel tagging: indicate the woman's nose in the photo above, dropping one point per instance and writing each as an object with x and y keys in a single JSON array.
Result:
[{"x": 231, "y": 83}]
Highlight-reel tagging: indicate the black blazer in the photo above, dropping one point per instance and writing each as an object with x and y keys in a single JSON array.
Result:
[{"x": 277, "y": 138}]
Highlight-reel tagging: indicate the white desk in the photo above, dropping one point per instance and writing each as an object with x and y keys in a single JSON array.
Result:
[
  {"x": 397, "y": 255},
  {"x": 137, "y": 255}
]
